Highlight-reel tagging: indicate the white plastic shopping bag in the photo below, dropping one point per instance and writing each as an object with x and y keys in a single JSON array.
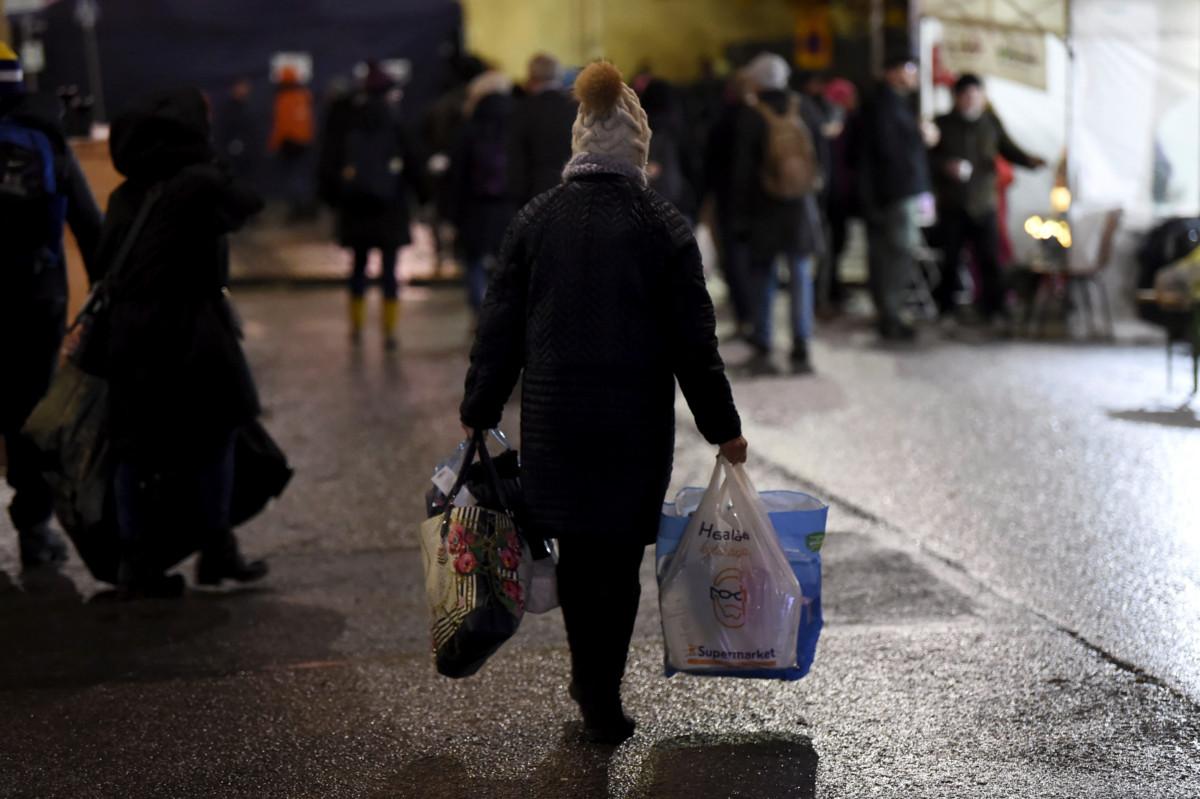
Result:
[{"x": 729, "y": 598}]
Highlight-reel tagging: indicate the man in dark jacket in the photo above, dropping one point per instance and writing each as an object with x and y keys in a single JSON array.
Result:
[
  {"x": 773, "y": 225},
  {"x": 893, "y": 174},
  {"x": 599, "y": 305},
  {"x": 964, "y": 176},
  {"x": 43, "y": 188},
  {"x": 180, "y": 386},
  {"x": 539, "y": 140}
]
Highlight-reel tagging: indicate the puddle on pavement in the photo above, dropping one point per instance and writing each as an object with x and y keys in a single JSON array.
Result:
[{"x": 756, "y": 765}]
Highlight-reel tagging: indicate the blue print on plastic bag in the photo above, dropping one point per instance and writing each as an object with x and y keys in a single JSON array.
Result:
[{"x": 799, "y": 521}]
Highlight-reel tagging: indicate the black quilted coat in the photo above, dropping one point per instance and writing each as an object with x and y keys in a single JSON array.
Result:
[{"x": 600, "y": 302}]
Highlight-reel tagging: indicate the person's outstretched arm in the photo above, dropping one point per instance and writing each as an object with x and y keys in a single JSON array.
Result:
[{"x": 1012, "y": 151}]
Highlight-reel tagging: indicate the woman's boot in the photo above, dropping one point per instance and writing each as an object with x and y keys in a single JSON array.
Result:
[
  {"x": 391, "y": 317},
  {"x": 358, "y": 317},
  {"x": 221, "y": 560}
]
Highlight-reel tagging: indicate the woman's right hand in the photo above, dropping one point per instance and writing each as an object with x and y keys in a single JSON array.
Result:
[{"x": 735, "y": 451}]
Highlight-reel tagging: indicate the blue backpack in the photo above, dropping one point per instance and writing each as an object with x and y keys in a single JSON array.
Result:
[{"x": 33, "y": 208}]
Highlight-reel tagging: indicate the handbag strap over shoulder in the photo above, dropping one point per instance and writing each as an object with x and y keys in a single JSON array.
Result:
[
  {"x": 135, "y": 230},
  {"x": 96, "y": 299}
]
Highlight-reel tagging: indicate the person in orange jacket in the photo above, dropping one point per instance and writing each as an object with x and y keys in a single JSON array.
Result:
[{"x": 292, "y": 134}]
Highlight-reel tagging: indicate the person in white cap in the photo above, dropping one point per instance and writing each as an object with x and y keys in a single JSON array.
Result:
[
  {"x": 599, "y": 302},
  {"x": 776, "y": 177},
  {"x": 44, "y": 190}
]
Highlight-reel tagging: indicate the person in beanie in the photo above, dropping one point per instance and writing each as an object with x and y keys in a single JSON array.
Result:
[
  {"x": 599, "y": 305},
  {"x": 44, "y": 190},
  {"x": 776, "y": 177},
  {"x": 366, "y": 168}
]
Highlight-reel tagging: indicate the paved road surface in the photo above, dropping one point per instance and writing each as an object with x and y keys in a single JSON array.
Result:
[{"x": 1013, "y": 541}]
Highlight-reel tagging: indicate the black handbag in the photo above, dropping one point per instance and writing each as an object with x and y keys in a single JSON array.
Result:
[
  {"x": 260, "y": 472},
  {"x": 476, "y": 605}
]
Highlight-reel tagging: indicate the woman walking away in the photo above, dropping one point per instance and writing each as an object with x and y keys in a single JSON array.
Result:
[
  {"x": 599, "y": 299},
  {"x": 367, "y": 165},
  {"x": 180, "y": 385},
  {"x": 482, "y": 207}
]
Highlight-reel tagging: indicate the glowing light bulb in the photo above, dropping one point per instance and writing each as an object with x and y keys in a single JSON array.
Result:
[{"x": 1060, "y": 199}]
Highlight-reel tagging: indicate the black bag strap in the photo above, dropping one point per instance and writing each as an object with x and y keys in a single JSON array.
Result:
[
  {"x": 477, "y": 446},
  {"x": 135, "y": 230},
  {"x": 96, "y": 299}
]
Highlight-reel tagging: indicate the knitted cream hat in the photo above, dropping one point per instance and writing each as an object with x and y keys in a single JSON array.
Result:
[{"x": 611, "y": 124}]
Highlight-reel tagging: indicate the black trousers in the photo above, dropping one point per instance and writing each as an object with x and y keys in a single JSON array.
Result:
[
  {"x": 958, "y": 229},
  {"x": 358, "y": 277},
  {"x": 599, "y": 590},
  {"x": 30, "y": 357}
]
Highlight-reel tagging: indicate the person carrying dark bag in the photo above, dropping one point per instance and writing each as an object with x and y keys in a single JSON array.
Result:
[
  {"x": 180, "y": 386},
  {"x": 41, "y": 190}
]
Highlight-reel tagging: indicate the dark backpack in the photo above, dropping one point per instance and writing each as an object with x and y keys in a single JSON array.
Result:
[
  {"x": 373, "y": 165},
  {"x": 33, "y": 209}
]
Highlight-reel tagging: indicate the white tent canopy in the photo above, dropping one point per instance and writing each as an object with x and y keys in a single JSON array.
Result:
[{"x": 1037, "y": 16}]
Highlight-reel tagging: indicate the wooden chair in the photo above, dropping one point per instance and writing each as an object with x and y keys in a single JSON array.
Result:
[{"x": 1053, "y": 281}]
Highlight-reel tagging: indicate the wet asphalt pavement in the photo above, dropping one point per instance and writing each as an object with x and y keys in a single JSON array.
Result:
[{"x": 1012, "y": 598}]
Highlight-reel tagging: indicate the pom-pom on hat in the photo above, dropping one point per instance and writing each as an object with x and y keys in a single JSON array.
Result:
[
  {"x": 611, "y": 124},
  {"x": 12, "y": 78}
]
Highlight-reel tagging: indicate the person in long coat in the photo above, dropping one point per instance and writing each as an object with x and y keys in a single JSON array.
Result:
[
  {"x": 180, "y": 386},
  {"x": 599, "y": 303}
]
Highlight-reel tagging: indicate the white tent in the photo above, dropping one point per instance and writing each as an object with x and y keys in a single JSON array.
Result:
[{"x": 1114, "y": 83}]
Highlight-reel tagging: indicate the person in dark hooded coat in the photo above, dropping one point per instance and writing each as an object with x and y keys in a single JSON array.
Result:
[
  {"x": 599, "y": 305},
  {"x": 179, "y": 381}
]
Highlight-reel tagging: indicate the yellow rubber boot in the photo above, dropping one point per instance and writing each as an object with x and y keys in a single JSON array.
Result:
[
  {"x": 358, "y": 317},
  {"x": 391, "y": 316}
]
